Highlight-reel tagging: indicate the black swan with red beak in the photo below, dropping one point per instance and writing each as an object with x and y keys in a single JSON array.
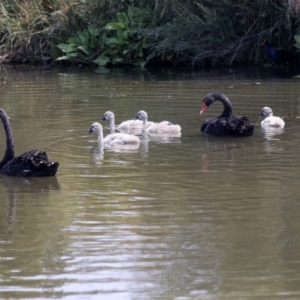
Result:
[{"x": 226, "y": 124}]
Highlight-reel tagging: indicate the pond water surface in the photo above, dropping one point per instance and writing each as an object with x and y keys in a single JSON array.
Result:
[{"x": 190, "y": 217}]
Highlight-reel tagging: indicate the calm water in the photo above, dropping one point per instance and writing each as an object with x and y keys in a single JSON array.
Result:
[{"x": 179, "y": 218}]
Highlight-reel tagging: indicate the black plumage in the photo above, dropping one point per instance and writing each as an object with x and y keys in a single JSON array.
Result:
[
  {"x": 33, "y": 163},
  {"x": 226, "y": 124}
]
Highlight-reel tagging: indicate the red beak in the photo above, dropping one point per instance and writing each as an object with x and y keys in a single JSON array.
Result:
[{"x": 203, "y": 108}]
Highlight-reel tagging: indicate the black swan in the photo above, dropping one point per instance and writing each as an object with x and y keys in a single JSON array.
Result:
[
  {"x": 226, "y": 124},
  {"x": 30, "y": 164}
]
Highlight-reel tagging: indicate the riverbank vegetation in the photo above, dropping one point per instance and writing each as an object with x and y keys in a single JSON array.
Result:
[{"x": 139, "y": 32}]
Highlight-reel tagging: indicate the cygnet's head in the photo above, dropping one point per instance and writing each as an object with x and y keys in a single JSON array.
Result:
[
  {"x": 266, "y": 112},
  {"x": 142, "y": 115},
  {"x": 95, "y": 127},
  {"x": 109, "y": 115}
]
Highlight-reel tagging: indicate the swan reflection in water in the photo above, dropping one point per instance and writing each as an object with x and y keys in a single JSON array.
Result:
[
  {"x": 98, "y": 152},
  {"x": 272, "y": 138},
  {"x": 229, "y": 149},
  {"x": 165, "y": 138},
  {"x": 271, "y": 133},
  {"x": 37, "y": 186}
]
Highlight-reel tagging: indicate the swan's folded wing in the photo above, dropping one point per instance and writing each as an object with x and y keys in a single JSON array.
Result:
[
  {"x": 233, "y": 126},
  {"x": 32, "y": 163},
  {"x": 240, "y": 126},
  {"x": 164, "y": 127},
  {"x": 216, "y": 126},
  {"x": 121, "y": 139},
  {"x": 130, "y": 124}
]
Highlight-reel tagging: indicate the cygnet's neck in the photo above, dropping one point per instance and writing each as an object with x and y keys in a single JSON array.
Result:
[
  {"x": 100, "y": 136},
  {"x": 144, "y": 125},
  {"x": 112, "y": 125}
]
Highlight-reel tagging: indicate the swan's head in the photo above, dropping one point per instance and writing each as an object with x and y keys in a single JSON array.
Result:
[
  {"x": 211, "y": 98},
  {"x": 142, "y": 115},
  {"x": 95, "y": 127},
  {"x": 109, "y": 115},
  {"x": 266, "y": 112}
]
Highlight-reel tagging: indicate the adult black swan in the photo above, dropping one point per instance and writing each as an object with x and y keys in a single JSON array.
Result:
[
  {"x": 32, "y": 163},
  {"x": 226, "y": 124}
]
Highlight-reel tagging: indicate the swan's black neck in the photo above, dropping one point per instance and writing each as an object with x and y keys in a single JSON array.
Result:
[
  {"x": 10, "y": 152},
  {"x": 212, "y": 97}
]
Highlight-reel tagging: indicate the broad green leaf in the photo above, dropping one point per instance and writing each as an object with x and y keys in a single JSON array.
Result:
[
  {"x": 140, "y": 63},
  {"x": 122, "y": 17},
  {"x": 83, "y": 38},
  {"x": 72, "y": 54},
  {"x": 151, "y": 55},
  {"x": 93, "y": 31},
  {"x": 93, "y": 42},
  {"x": 114, "y": 41},
  {"x": 141, "y": 53},
  {"x": 117, "y": 59},
  {"x": 84, "y": 49},
  {"x": 114, "y": 26},
  {"x": 121, "y": 41},
  {"x": 66, "y": 48},
  {"x": 143, "y": 63},
  {"x": 74, "y": 41},
  {"x": 65, "y": 57},
  {"x": 130, "y": 12},
  {"x": 297, "y": 39},
  {"x": 101, "y": 60}
]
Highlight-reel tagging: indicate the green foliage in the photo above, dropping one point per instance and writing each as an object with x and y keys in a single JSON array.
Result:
[
  {"x": 297, "y": 40},
  {"x": 137, "y": 32},
  {"x": 224, "y": 31},
  {"x": 119, "y": 42}
]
